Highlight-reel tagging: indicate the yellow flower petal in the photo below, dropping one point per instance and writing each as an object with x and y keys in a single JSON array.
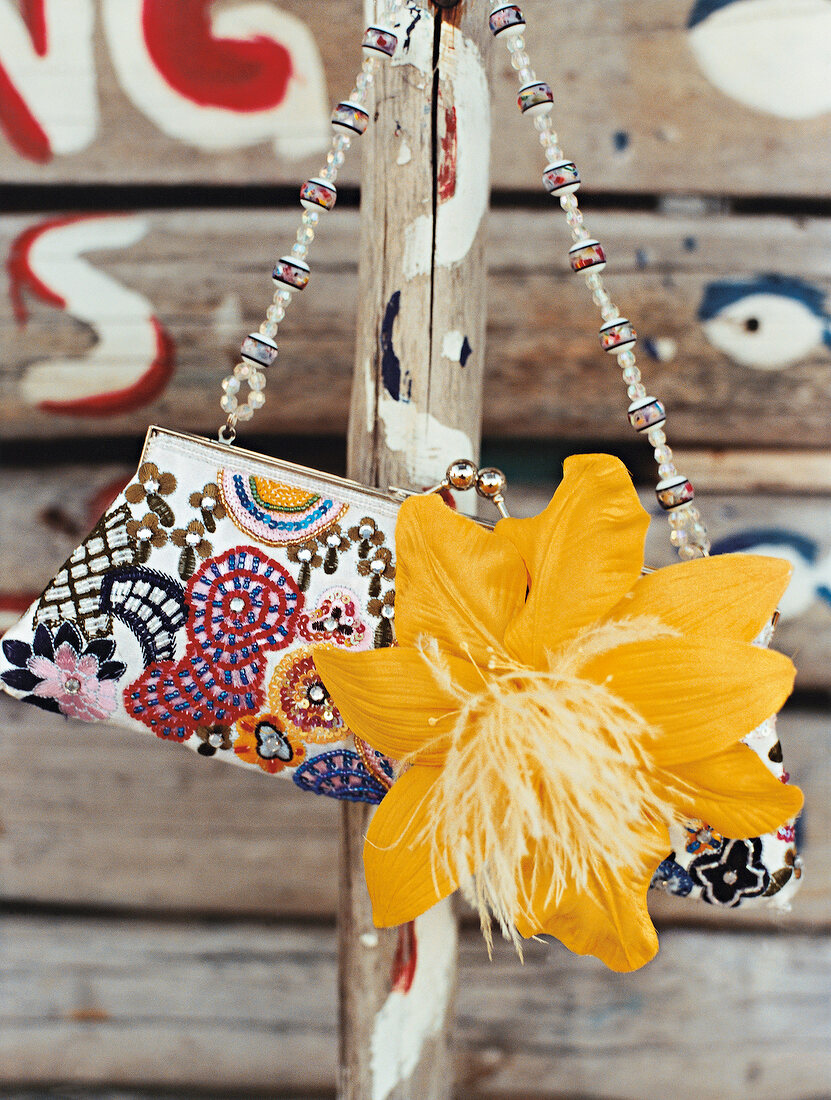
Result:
[
  {"x": 701, "y": 696},
  {"x": 730, "y": 596},
  {"x": 736, "y": 794},
  {"x": 457, "y": 582},
  {"x": 583, "y": 553},
  {"x": 399, "y": 866},
  {"x": 388, "y": 696},
  {"x": 609, "y": 919}
]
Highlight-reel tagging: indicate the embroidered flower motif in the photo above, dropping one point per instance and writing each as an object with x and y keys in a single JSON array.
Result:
[
  {"x": 298, "y": 697},
  {"x": 701, "y": 839},
  {"x": 340, "y": 774},
  {"x": 146, "y": 533},
  {"x": 672, "y": 878},
  {"x": 192, "y": 541},
  {"x": 367, "y": 535},
  {"x": 263, "y": 741},
  {"x": 337, "y": 619},
  {"x": 733, "y": 872},
  {"x": 241, "y": 603},
  {"x": 209, "y": 503},
  {"x": 383, "y": 609},
  {"x": 65, "y": 674},
  {"x": 558, "y": 711},
  {"x": 333, "y": 542},
  {"x": 214, "y": 738},
  {"x": 305, "y": 554},
  {"x": 792, "y": 869},
  {"x": 151, "y": 486},
  {"x": 377, "y": 566}
]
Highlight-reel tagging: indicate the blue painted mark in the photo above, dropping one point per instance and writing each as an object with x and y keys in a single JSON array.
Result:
[
  {"x": 466, "y": 352},
  {"x": 690, "y": 244},
  {"x": 642, "y": 258},
  {"x": 703, "y": 9},
  {"x": 651, "y": 349},
  {"x": 722, "y": 294},
  {"x": 768, "y": 536},
  {"x": 390, "y": 363},
  {"x": 621, "y": 141}
]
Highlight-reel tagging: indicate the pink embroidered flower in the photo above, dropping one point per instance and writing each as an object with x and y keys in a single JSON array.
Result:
[{"x": 66, "y": 674}]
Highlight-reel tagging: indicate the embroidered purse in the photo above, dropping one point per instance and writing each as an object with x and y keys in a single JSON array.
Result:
[{"x": 193, "y": 609}]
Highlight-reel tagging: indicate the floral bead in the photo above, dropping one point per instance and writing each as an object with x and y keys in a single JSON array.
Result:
[
  {"x": 377, "y": 566},
  {"x": 333, "y": 542},
  {"x": 147, "y": 534},
  {"x": 151, "y": 485},
  {"x": 209, "y": 503},
  {"x": 383, "y": 610},
  {"x": 300, "y": 699},
  {"x": 367, "y": 535},
  {"x": 192, "y": 541},
  {"x": 305, "y": 554},
  {"x": 263, "y": 741},
  {"x": 214, "y": 738}
]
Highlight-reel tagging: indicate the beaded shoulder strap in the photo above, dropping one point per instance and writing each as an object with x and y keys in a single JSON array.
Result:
[{"x": 561, "y": 179}]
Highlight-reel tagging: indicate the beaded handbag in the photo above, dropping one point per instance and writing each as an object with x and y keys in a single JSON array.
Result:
[{"x": 194, "y": 608}]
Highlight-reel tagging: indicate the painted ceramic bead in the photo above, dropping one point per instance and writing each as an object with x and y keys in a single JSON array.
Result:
[
  {"x": 291, "y": 272},
  {"x": 647, "y": 413},
  {"x": 379, "y": 40},
  {"x": 259, "y": 349},
  {"x": 536, "y": 98},
  {"x": 561, "y": 178},
  {"x": 318, "y": 194},
  {"x": 350, "y": 117},
  {"x": 673, "y": 492},
  {"x": 507, "y": 20},
  {"x": 617, "y": 336},
  {"x": 587, "y": 254}
]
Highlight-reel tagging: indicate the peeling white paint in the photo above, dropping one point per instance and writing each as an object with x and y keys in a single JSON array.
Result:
[
  {"x": 405, "y": 154},
  {"x": 452, "y": 345},
  {"x": 226, "y": 318},
  {"x": 771, "y": 55},
  {"x": 369, "y": 940},
  {"x": 665, "y": 349},
  {"x": 430, "y": 445},
  {"x": 369, "y": 395},
  {"x": 408, "y": 1020},
  {"x": 419, "y": 52},
  {"x": 458, "y": 218}
]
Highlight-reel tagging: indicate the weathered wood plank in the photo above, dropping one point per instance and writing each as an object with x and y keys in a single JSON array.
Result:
[
  {"x": 204, "y": 276},
  {"x": 743, "y": 72},
  {"x": 245, "y": 1006},
  {"x": 106, "y": 817}
]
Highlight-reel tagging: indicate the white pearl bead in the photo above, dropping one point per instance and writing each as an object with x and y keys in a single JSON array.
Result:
[
  {"x": 228, "y": 403},
  {"x": 626, "y": 359},
  {"x": 663, "y": 454},
  {"x": 667, "y": 470},
  {"x": 267, "y": 328},
  {"x": 242, "y": 371},
  {"x": 300, "y": 251},
  {"x": 520, "y": 60},
  {"x": 256, "y": 399},
  {"x": 311, "y": 217},
  {"x": 631, "y": 375},
  {"x": 275, "y": 314},
  {"x": 244, "y": 412},
  {"x": 230, "y": 384},
  {"x": 636, "y": 391},
  {"x": 656, "y": 437},
  {"x": 256, "y": 381},
  {"x": 305, "y": 235}
]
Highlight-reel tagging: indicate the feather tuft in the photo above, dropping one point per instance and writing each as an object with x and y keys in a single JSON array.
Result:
[{"x": 541, "y": 759}]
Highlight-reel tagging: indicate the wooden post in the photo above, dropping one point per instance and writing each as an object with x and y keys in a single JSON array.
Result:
[{"x": 417, "y": 405}]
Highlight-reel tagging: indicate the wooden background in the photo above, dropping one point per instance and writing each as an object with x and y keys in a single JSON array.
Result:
[{"x": 167, "y": 923}]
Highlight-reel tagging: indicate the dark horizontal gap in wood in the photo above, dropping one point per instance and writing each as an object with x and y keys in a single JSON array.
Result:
[
  {"x": 37, "y": 909},
  {"x": 527, "y": 463},
  {"x": 38, "y": 198}
]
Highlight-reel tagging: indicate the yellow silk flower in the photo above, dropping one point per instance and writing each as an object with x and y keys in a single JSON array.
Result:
[{"x": 554, "y": 711}]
